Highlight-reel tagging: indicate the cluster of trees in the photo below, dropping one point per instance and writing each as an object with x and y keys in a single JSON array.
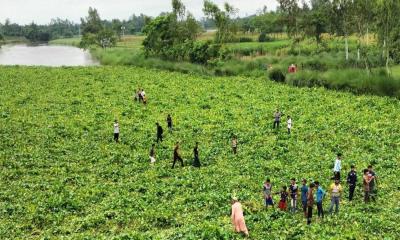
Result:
[
  {"x": 64, "y": 28},
  {"x": 58, "y": 28},
  {"x": 173, "y": 35},
  {"x": 103, "y": 33},
  {"x": 344, "y": 18},
  {"x": 96, "y": 33}
]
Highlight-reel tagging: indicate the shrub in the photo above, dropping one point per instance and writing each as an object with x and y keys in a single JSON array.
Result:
[
  {"x": 264, "y": 37},
  {"x": 277, "y": 75},
  {"x": 245, "y": 39},
  {"x": 201, "y": 52}
]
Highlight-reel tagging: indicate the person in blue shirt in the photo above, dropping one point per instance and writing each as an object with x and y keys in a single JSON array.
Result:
[
  {"x": 320, "y": 196},
  {"x": 304, "y": 190}
]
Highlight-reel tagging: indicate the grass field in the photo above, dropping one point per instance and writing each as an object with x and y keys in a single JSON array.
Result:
[
  {"x": 63, "y": 177},
  {"x": 66, "y": 41}
]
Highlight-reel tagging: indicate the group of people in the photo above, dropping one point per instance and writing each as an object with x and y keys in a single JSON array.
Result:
[
  {"x": 277, "y": 121},
  {"x": 140, "y": 96},
  {"x": 314, "y": 193},
  {"x": 310, "y": 195}
]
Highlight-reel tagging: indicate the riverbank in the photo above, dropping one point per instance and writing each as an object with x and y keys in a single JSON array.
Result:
[
  {"x": 317, "y": 66},
  {"x": 15, "y": 40}
]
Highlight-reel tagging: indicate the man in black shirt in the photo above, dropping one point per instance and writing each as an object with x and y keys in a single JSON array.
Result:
[
  {"x": 196, "y": 162},
  {"x": 169, "y": 122},
  {"x": 177, "y": 155},
  {"x": 352, "y": 180},
  {"x": 159, "y": 133}
]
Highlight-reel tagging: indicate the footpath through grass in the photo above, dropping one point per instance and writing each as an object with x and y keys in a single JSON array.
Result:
[{"x": 63, "y": 177}]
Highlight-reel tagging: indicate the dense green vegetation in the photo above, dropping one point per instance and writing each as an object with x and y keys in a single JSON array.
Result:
[{"x": 63, "y": 177}]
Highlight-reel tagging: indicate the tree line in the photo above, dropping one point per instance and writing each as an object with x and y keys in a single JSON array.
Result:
[
  {"x": 64, "y": 28},
  {"x": 173, "y": 35}
]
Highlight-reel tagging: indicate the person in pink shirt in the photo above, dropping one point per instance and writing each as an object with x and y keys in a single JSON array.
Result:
[{"x": 238, "y": 218}]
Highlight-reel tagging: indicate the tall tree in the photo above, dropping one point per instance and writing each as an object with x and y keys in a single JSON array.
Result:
[
  {"x": 226, "y": 28},
  {"x": 95, "y": 33},
  {"x": 290, "y": 12},
  {"x": 168, "y": 34},
  {"x": 341, "y": 19},
  {"x": 315, "y": 21},
  {"x": 388, "y": 19}
]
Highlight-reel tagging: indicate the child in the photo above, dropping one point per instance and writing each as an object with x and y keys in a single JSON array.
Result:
[
  {"x": 293, "y": 190},
  {"x": 366, "y": 183},
  {"x": 284, "y": 196},
  {"x": 153, "y": 154},
  {"x": 116, "y": 131},
  {"x": 289, "y": 124},
  {"x": 234, "y": 145},
  {"x": 196, "y": 162},
  {"x": 304, "y": 191},
  {"x": 267, "y": 189},
  {"x": 169, "y": 122},
  {"x": 320, "y": 197},
  {"x": 310, "y": 203}
]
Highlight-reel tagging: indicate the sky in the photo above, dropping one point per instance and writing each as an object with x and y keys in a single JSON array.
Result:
[{"x": 42, "y": 11}]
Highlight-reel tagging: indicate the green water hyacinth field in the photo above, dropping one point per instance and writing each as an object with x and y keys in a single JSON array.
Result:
[{"x": 63, "y": 177}]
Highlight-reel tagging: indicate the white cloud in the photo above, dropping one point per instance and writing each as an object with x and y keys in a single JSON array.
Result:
[{"x": 42, "y": 11}]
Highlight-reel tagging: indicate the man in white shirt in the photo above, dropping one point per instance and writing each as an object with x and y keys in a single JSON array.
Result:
[
  {"x": 337, "y": 167},
  {"x": 116, "y": 131},
  {"x": 289, "y": 124}
]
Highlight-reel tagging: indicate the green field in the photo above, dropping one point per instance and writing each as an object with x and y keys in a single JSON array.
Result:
[
  {"x": 63, "y": 177},
  {"x": 66, "y": 41}
]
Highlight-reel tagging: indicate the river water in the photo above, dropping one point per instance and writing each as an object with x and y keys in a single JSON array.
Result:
[{"x": 45, "y": 55}]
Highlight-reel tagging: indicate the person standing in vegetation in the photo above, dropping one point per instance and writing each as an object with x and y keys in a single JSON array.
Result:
[
  {"x": 292, "y": 68},
  {"x": 140, "y": 95},
  {"x": 116, "y": 131},
  {"x": 267, "y": 190},
  {"x": 234, "y": 144},
  {"x": 289, "y": 125},
  {"x": 160, "y": 132},
  {"x": 293, "y": 190},
  {"x": 284, "y": 198},
  {"x": 153, "y": 154},
  {"x": 337, "y": 167},
  {"x": 277, "y": 118},
  {"x": 238, "y": 217},
  {"x": 320, "y": 197},
  {"x": 169, "y": 122},
  {"x": 177, "y": 155},
  {"x": 196, "y": 162},
  {"x": 373, "y": 183},
  {"x": 310, "y": 202},
  {"x": 351, "y": 181},
  {"x": 336, "y": 192},
  {"x": 366, "y": 185},
  {"x": 304, "y": 191},
  {"x": 145, "y": 100},
  {"x": 137, "y": 95}
]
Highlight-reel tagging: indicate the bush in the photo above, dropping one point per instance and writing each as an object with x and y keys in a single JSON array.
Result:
[
  {"x": 264, "y": 37},
  {"x": 245, "y": 39},
  {"x": 305, "y": 79},
  {"x": 201, "y": 52},
  {"x": 277, "y": 75}
]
